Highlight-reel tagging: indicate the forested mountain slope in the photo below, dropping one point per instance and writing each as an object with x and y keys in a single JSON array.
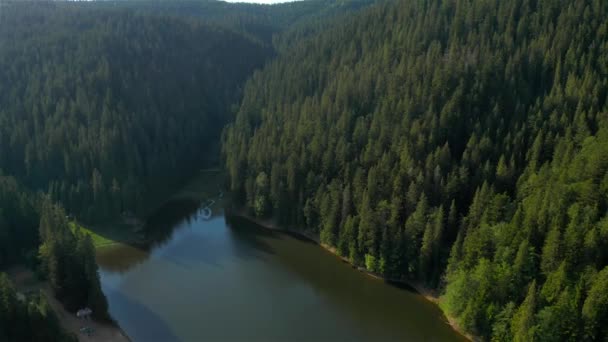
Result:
[
  {"x": 108, "y": 105},
  {"x": 258, "y": 21},
  {"x": 460, "y": 144},
  {"x": 105, "y": 108}
]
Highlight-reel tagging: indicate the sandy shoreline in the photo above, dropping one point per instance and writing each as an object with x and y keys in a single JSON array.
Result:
[{"x": 426, "y": 293}]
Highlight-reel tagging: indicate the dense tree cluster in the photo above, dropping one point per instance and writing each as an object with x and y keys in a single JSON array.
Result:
[
  {"x": 27, "y": 320},
  {"x": 108, "y": 106},
  {"x": 105, "y": 107},
  {"x": 460, "y": 144},
  {"x": 68, "y": 261},
  {"x": 66, "y": 257},
  {"x": 107, "y": 110},
  {"x": 19, "y": 221}
]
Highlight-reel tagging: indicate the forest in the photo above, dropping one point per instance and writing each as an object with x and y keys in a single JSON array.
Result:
[
  {"x": 32, "y": 321},
  {"x": 36, "y": 232},
  {"x": 105, "y": 108},
  {"x": 459, "y": 145},
  {"x": 104, "y": 104}
]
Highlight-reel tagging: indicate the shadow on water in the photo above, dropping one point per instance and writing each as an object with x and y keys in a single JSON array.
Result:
[
  {"x": 379, "y": 303},
  {"x": 402, "y": 286},
  {"x": 249, "y": 240},
  {"x": 304, "y": 279},
  {"x": 187, "y": 249},
  {"x": 159, "y": 227},
  {"x": 246, "y": 240},
  {"x": 132, "y": 311},
  {"x": 156, "y": 232},
  {"x": 244, "y": 224}
]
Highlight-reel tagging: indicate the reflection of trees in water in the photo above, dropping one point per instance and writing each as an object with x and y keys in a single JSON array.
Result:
[
  {"x": 354, "y": 294},
  {"x": 157, "y": 231},
  {"x": 160, "y": 226}
]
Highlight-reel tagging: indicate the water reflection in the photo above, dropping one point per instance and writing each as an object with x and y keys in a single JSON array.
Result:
[
  {"x": 156, "y": 232},
  {"x": 160, "y": 226},
  {"x": 134, "y": 312},
  {"x": 227, "y": 279}
]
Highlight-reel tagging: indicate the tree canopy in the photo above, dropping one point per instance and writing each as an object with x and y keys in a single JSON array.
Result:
[
  {"x": 458, "y": 144},
  {"x": 105, "y": 108},
  {"x": 35, "y": 232}
]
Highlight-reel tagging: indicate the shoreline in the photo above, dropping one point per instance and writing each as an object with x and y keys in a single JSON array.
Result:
[
  {"x": 104, "y": 331},
  {"x": 428, "y": 294},
  {"x": 24, "y": 280}
]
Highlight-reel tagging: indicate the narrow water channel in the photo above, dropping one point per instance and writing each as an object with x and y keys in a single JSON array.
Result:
[{"x": 227, "y": 279}]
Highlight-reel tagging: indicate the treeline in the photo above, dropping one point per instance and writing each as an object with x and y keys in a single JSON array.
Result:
[
  {"x": 35, "y": 232},
  {"x": 108, "y": 110},
  {"x": 459, "y": 144},
  {"x": 260, "y": 22}
]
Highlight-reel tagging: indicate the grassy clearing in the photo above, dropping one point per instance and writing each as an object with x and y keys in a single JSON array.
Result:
[{"x": 109, "y": 234}]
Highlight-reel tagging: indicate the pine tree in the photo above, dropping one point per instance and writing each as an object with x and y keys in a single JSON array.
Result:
[{"x": 523, "y": 322}]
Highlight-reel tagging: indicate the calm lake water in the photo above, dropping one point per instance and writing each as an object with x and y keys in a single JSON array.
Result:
[{"x": 227, "y": 279}]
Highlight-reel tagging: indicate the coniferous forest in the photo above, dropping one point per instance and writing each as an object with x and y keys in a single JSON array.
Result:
[
  {"x": 108, "y": 106},
  {"x": 105, "y": 108},
  {"x": 458, "y": 145},
  {"x": 462, "y": 145}
]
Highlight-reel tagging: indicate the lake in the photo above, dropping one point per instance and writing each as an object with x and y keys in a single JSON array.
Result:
[{"x": 227, "y": 279}]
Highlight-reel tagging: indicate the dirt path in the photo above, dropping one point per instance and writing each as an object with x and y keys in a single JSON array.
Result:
[
  {"x": 69, "y": 321},
  {"x": 25, "y": 281}
]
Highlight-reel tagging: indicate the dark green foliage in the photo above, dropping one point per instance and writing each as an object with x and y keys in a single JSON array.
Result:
[
  {"x": 595, "y": 309},
  {"x": 461, "y": 144},
  {"x": 28, "y": 320},
  {"x": 263, "y": 23},
  {"x": 68, "y": 261},
  {"x": 33, "y": 319},
  {"x": 106, "y": 107},
  {"x": 18, "y": 224},
  {"x": 108, "y": 110}
]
